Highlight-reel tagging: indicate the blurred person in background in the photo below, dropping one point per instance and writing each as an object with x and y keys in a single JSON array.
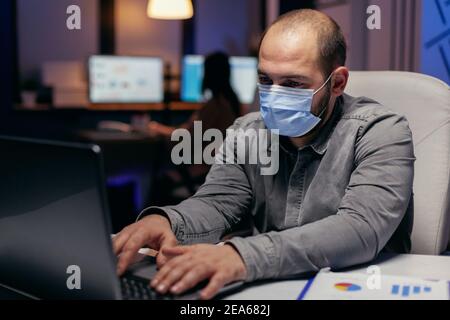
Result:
[
  {"x": 219, "y": 112},
  {"x": 222, "y": 106}
]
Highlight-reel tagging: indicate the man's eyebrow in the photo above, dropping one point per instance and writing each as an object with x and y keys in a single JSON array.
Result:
[
  {"x": 295, "y": 76},
  {"x": 292, "y": 76}
]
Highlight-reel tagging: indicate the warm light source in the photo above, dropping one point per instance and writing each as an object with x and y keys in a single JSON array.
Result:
[{"x": 170, "y": 9}]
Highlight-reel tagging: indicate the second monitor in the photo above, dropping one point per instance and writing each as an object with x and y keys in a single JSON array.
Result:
[
  {"x": 121, "y": 79},
  {"x": 244, "y": 78}
]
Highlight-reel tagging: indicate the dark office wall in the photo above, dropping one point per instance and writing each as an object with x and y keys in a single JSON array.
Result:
[
  {"x": 106, "y": 18},
  {"x": 289, "y": 5},
  {"x": 7, "y": 49},
  {"x": 396, "y": 46},
  {"x": 226, "y": 25},
  {"x": 44, "y": 36},
  {"x": 11, "y": 121},
  {"x": 216, "y": 25},
  {"x": 137, "y": 34}
]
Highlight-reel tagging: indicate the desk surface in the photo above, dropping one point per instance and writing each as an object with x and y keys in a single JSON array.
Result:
[
  {"x": 421, "y": 266},
  {"x": 429, "y": 267},
  {"x": 110, "y": 136}
]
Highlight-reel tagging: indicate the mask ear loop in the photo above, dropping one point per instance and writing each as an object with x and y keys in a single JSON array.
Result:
[{"x": 323, "y": 85}]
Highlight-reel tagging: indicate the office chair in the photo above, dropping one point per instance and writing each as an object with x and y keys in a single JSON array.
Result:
[{"x": 425, "y": 101}]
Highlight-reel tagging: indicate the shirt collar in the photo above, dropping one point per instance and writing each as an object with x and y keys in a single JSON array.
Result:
[{"x": 320, "y": 144}]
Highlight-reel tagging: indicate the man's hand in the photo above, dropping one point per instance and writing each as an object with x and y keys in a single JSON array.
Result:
[
  {"x": 153, "y": 231},
  {"x": 189, "y": 265}
]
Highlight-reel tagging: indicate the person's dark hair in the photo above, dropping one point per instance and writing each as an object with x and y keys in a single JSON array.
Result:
[
  {"x": 332, "y": 44},
  {"x": 217, "y": 79}
]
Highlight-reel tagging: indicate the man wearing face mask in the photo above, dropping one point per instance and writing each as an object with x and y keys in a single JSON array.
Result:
[{"x": 342, "y": 194}]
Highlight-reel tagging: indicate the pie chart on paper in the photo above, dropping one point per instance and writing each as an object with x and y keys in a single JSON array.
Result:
[{"x": 344, "y": 286}]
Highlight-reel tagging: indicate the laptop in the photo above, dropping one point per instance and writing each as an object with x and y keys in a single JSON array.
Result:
[{"x": 55, "y": 230}]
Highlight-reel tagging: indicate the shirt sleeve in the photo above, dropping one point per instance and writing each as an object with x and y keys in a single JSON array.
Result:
[
  {"x": 221, "y": 202},
  {"x": 373, "y": 206}
]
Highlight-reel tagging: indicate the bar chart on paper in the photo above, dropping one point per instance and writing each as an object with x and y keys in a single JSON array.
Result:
[
  {"x": 329, "y": 285},
  {"x": 407, "y": 290}
]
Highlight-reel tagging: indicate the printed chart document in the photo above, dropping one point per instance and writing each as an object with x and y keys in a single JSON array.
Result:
[{"x": 329, "y": 285}]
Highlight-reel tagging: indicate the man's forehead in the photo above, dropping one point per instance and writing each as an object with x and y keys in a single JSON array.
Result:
[{"x": 283, "y": 45}]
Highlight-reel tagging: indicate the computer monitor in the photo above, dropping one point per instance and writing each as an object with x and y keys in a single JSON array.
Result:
[
  {"x": 244, "y": 77},
  {"x": 120, "y": 79},
  {"x": 192, "y": 78}
]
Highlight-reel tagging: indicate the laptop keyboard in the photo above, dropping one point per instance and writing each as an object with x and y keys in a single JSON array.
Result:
[{"x": 137, "y": 288}]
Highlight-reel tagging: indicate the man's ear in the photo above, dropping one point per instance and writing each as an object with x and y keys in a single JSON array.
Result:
[{"x": 340, "y": 79}]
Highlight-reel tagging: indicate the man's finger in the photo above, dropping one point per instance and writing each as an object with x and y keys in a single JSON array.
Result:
[
  {"x": 158, "y": 281},
  {"x": 174, "y": 275},
  {"x": 169, "y": 241},
  {"x": 175, "y": 251},
  {"x": 129, "y": 251},
  {"x": 119, "y": 241},
  {"x": 191, "y": 278},
  {"x": 214, "y": 285},
  {"x": 161, "y": 258}
]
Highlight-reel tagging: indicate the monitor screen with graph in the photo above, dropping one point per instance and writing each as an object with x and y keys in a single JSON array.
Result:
[{"x": 120, "y": 79}]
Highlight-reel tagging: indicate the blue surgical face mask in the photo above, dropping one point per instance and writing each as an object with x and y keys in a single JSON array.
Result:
[{"x": 289, "y": 109}]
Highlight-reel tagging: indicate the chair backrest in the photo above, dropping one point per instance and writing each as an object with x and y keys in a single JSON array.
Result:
[{"x": 425, "y": 101}]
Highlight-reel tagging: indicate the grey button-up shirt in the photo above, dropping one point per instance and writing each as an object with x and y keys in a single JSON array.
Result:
[{"x": 334, "y": 203}]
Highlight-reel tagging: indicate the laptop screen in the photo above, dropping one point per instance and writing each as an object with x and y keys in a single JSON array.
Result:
[{"x": 54, "y": 219}]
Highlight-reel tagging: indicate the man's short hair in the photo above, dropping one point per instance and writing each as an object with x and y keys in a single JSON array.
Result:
[{"x": 331, "y": 41}]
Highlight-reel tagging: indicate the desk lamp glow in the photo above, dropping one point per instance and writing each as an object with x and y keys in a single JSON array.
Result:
[{"x": 170, "y": 9}]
